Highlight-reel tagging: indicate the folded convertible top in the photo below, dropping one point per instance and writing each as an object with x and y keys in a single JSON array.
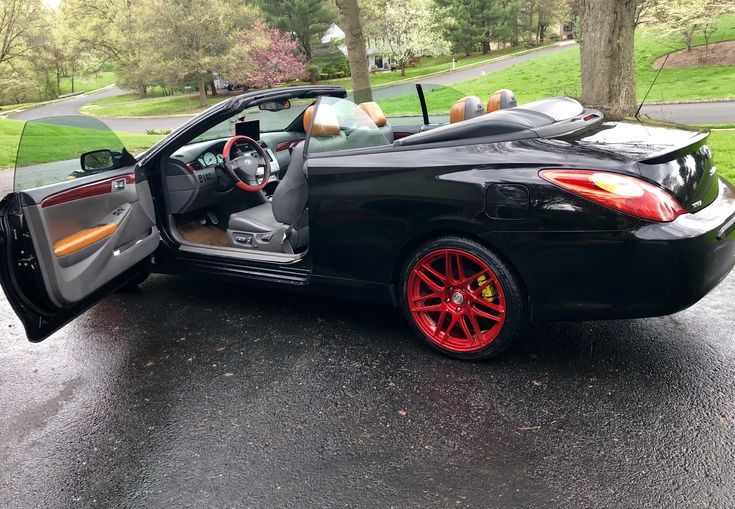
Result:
[{"x": 528, "y": 117}]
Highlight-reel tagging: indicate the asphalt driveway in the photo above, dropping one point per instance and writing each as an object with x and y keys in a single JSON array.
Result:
[{"x": 203, "y": 394}]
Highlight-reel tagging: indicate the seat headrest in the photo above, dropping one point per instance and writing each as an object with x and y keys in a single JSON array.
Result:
[
  {"x": 375, "y": 113},
  {"x": 466, "y": 108},
  {"x": 501, "y": 100},
  {"x": 326, "y": 122}
]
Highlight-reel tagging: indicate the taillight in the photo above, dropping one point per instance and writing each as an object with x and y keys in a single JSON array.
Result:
[{"x": 624, "y": 193}]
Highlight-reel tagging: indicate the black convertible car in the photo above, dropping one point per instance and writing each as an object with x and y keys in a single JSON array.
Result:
[{"x": 473, "y": 222}]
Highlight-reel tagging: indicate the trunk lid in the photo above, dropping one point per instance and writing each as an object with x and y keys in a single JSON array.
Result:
[{"x": 675, "y": 157}]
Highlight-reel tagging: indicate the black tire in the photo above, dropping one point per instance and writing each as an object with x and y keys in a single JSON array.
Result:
[{"x": 515, "y": 308}]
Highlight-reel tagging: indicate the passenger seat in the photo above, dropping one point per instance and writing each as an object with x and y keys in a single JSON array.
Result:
[
  {"x": 375, "y": 112},
  {"x": 326, "y": 133},
  {"x": 465, "y": 109}
]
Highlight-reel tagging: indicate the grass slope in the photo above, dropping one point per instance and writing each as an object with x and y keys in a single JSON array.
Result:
[
  {"x": 723, "y": 150},
  {"x": 46, "y": 143}
]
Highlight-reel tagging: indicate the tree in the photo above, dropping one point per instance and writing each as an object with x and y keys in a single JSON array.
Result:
[
  {"x": 20, "y": 22},
  {"x": 181, "y": 38},
  {"x": 684, "y": 19},
  {"x": 264, "y": 57},
  {"x": 475, "y": 24},
  {"x": 356, "y": 49},
  {"x": 304, "y": 18},
  {"x": 111, "y": 30},
  {"x": 407, "y": 29},
  {"x": 608, "y": 72}
]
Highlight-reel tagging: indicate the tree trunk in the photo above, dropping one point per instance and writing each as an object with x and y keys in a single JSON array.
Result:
[
  {"x": 213, "y": 88},
  {"x": 356, "y": 50},
  {"x": 307, "y": 47},
  {"x": 403, "y": 69},
  {"x": 608, "y": 72},
  {"x": 202, "y": 91}
]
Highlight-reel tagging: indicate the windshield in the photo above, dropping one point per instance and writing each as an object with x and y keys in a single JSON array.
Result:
[
  {"x": 50, "y": 148},
  {"x": 270, "y": 121}
]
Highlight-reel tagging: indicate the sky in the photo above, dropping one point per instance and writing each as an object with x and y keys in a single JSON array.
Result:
[{"x": 52, "y": 3}]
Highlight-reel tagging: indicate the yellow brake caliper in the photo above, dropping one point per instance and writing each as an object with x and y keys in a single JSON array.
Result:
[{"x": 489, "y": 292}]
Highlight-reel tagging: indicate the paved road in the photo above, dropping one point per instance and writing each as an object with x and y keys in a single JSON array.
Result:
[
  {"x": 694, "y": 113},
  {"x": 202, "y": 394}
]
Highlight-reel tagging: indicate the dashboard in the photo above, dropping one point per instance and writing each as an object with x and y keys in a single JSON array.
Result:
[{"x": 196, "y": 177}]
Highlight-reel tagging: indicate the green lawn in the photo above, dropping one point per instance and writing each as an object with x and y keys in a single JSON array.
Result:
[
  {"x": 129, "y": 105},
  {"x": 54, "y": 142},
  {"x": 88, "y": 83},
  {"x": 81, "y": 84},
  {"x": 723, "y": 150}
]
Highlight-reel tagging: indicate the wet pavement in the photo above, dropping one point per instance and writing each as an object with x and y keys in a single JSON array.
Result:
[{"x": 193, "y": 393}]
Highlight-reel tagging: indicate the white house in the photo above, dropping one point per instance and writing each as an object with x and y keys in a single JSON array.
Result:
[{"x": 376, "y": 60}]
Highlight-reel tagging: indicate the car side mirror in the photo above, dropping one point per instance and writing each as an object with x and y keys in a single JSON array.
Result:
[{"x": 99, "y": 160}]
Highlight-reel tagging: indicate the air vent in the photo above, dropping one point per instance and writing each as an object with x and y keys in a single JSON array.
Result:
[{"x": 195, "y": 166}]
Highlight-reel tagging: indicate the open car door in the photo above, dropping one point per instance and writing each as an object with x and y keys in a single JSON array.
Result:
[{"x": 79, "y": 223}]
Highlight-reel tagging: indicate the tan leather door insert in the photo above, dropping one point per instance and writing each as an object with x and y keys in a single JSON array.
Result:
[{"x": 82, "y": 239}]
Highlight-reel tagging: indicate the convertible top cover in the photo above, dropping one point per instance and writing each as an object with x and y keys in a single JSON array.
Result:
[{"x": 520, "y": 119}]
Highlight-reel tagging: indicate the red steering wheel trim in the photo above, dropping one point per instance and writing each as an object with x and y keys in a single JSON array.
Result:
[{"x": 226, "y": 154}]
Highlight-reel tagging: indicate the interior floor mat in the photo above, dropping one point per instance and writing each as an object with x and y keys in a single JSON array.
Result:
[{"x": 203, "y": 234}]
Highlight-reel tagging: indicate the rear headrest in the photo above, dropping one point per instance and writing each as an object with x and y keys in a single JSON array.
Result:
[
  {"x": 326, "y": 122},
  {"x": 501, "y": 100},
  {"x": 465, "y": 109},
  {"x": 375, "y": 113}
]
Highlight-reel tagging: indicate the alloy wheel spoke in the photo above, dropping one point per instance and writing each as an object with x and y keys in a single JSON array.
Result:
[
  {"x": 460, "y": 270},
  {"x": 426, "y": 279},
  {"x": 475, "y": 324},
  {"x": 433, "y": 308},
  {"x": 485, "y": 314},
  {"x": 439, "y": 333},
  {"x": 466, "y": 330},
  {"x": 481, "y": 301}
]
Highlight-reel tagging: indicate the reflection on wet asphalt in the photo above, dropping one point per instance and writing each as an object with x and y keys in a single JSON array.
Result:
[{"x": 193, "y": 394}]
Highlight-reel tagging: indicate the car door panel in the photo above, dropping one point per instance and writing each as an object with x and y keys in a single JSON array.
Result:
[
  {"x": 69, "y": 244},
  {"x": 85, "y": 235}
]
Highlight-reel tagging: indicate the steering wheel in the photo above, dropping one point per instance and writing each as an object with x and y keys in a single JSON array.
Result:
[{"x": 244, "y": 167}]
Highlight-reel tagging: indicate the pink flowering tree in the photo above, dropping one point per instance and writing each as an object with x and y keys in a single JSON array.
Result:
[{"x": 264, "y": 57}]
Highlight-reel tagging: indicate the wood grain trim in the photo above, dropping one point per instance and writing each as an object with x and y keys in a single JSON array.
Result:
[
  {"x": 86, "y": 191},
  {"x": 82, "y": 239}
]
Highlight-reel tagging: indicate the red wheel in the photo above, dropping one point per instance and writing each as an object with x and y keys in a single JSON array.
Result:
[{"x": 459, "y": 295}]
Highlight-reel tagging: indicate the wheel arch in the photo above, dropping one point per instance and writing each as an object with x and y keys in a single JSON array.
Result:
[{"x": 422, "y": 238}]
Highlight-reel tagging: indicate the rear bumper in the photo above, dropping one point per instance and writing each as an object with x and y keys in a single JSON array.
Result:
[{"x": 652, "y": 270}]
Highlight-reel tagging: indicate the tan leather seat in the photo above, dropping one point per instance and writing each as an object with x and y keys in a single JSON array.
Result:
[
  {"x": 500, "y": 100},
  {"x": 326, "y": 122},
  {"x": 326, "y": 134},
  {"x": 465, "y": 109},
  {"x": 375, "y": 112}
]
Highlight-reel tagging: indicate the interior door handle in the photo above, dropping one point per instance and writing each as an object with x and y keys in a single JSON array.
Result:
[{"x": 118, "y": 185}]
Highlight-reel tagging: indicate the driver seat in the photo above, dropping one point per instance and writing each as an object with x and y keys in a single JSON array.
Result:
[{"x": 282, "y": 225}]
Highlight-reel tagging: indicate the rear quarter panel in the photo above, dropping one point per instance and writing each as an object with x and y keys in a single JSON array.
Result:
[{"x": 369, "y": 209}]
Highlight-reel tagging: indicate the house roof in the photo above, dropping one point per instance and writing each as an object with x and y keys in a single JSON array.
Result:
[{"x": 333, "y": 33}]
